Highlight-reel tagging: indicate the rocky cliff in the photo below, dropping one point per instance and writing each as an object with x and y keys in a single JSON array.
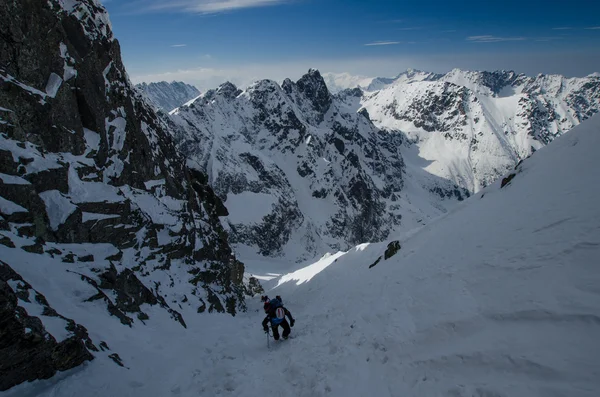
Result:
[{"x": 97, "y": 207}]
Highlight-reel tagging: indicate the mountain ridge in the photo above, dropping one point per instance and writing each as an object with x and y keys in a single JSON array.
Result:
[
  {"x": 484, "y": 121},
  {"x": 284, "y": 141},
  {"x": 168, "y": 96}
]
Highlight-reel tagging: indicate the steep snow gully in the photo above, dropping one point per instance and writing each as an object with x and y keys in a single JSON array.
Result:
[{"x": 500, "y": 297}]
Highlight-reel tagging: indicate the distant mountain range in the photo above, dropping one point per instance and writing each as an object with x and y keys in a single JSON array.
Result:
[
  {"x": 326, "y": 171},
  {"x": 473, "y": 126},
  {"x": 168, "y": 96}
]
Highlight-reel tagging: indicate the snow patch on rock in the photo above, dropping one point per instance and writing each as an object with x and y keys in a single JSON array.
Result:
[{"x": 58, "y": 207}]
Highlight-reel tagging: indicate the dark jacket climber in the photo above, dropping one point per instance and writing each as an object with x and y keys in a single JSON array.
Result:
[{"x": 276, "y": 314}]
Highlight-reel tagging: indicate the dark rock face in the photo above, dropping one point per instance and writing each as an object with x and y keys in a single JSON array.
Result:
[
  {"x": 391, "y": 250},
  {"x": 313, "y": 86},
  {"x": 497, "y": 80},
  {"x": 85, "y": 159},
  {"x": 506, "y": 180},
  {"x": 28, "y": 351},
  {"x": 440, "y": 108},
  {"x": 131, "y": 293},
  {"x": 254, "y": 287}
]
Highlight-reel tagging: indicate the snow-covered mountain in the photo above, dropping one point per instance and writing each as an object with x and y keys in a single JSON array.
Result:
[
  {"x": 102, "y": 226},
  {"x": 301, "y": 172},
  {"x": 295, "y": 153},
  {"x": 409, "y": 76},
  {"x": 337, "y": 82},
  {"x": 473, "y": 126},
  {"x": 168, "y": 96}
]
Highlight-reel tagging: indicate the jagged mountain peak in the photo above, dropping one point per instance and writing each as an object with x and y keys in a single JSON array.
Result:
[
  {"x": 313, "y": 81},
  {"x": 314, "y": 73},
  {"x": 91, "y": 14},
  {"x": 313, "y": 87},
  {"x": 264, "y": 85},
  {"x": 227, "y": 90}
]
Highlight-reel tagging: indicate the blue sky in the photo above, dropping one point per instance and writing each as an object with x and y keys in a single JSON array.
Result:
[{"x": 205, "y": 42}]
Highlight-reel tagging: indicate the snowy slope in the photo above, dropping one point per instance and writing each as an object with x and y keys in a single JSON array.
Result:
[
  {"x": 301, "y": 172},
  {"x": 168, "y": 96},
  {"x": 474, "y": 126},
  {"x": 506, "y": 306},
  {"x": 498, "y": 298}
]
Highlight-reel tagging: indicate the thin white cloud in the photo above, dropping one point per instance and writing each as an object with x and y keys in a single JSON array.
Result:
[
  {"x": 411, "y": 28},
  {"x": 563, "y": 28},
  {"x": 206, "y": 6},
  {"x": 593, "y": 28},
  {"x": 382, "y": 43},
  {"x": 492, "y": 39},
  {"x": 549, "y": 38},
  {"x": 179, "y": 45}
]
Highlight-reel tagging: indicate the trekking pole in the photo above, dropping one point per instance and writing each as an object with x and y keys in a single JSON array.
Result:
[{"x": 268, "y": 341}]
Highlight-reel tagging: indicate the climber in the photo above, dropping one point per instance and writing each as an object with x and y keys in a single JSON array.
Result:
[{"x": 276, "y": 313}]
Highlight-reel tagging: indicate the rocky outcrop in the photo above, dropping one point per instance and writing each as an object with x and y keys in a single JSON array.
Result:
[
  {"x": 28, "y": 350},
  {"x": 89, "y": 174},
  {"x": 392, "y": 249}
]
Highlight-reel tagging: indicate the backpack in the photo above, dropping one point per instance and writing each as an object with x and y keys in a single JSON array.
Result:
[
  {"x": 279, "y": 315},
  {"x": 278, "y": 310},
  {"x": 276, "y": 302}
]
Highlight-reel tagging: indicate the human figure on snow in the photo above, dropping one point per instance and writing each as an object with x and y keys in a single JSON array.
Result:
[{"x": 276, "y": 314}]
